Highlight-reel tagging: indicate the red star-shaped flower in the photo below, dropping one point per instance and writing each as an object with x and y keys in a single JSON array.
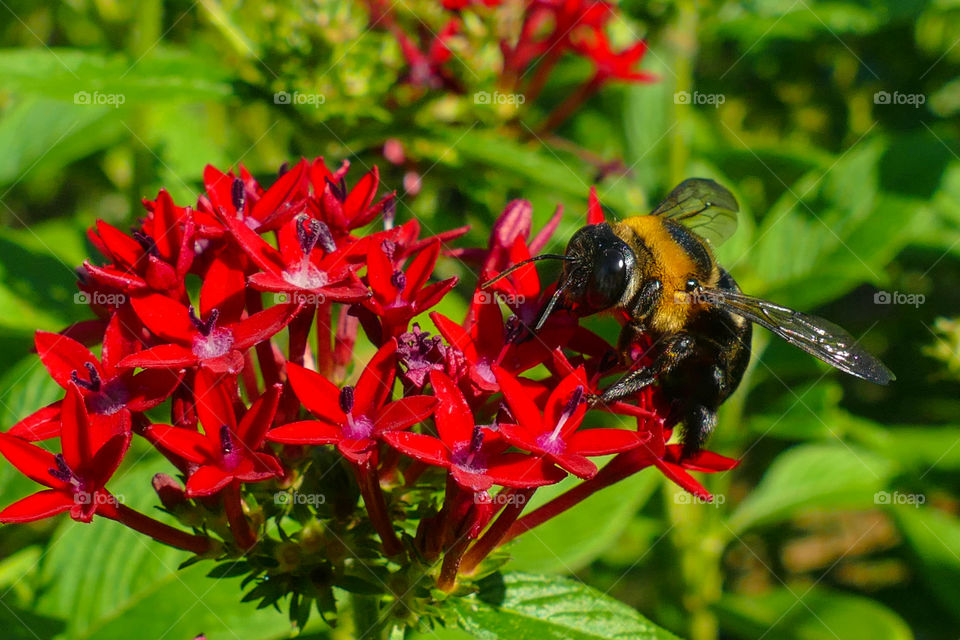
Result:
[
  {"x": 476, "y": 456},
  {"x": 353, "y": 418},
  {"x": 401, "y": 294},
  {"x": 553, "y": 432},
  {"x": 76, "y": 477},
  {"x": 227, "y": 450},
  {"x": 110, "y": 393}
]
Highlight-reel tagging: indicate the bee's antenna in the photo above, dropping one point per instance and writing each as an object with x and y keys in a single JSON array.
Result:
[
  {"x": 542, "y": 256},
  {"x": 548, "y": 309}
]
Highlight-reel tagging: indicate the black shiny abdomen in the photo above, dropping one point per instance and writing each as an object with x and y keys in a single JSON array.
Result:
[{"x": 701, "y": 382}]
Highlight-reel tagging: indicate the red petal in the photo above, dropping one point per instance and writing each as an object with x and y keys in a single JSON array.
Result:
[
  {"x": 165, "y": 234},
  {"x": 118, "y": 341},
  {"x": 165, "y": 317},
  {"x": 404, "y": 413},
  {"x": 559, "y": 398},
  {"x": 149, "y": 388},
  {"x": 521, "y": 471},
  {"x": 305, "y": 432},
  {"x": 276, "y": 204},
  {"x": 122, "y": 247},
  {"x": 432, "y": 294},
  {"x": 30, "y": 460},
  {"x": 75, "y": 430},
  {"x": 42, "y": 504},
  {"x": 362, "y": 195},
  {"x": 189, "y": 445},
  {"x": 214, "y": 404},
  {"x": 108, "y": 458},
  {"x": 544, "y": 235},
  {"x": 62, "y": 356},
  {"x": 42, "y": 424},
  {"x": 259, "y": 417},
  {"x": 420, "y": 268},
  {"x": 320, "y": 396},
  {"x": 207, "y": 480},
  {"x": 262, "y": 325},
  {"x": 576, "y": 464},
  {"x": 594, "y": 210},
  {"x": 677, "y": 474},
  {"x": 223, "y": 289},
  {"x": 420, "y": 447},
  {"x": 165, "y": 356},
  {"x": 455, "y": 335},
  {"x": 380, "y": 274},
  {"x": 521, "y": 404},
  {"x": 454, "y": 419},
  {"x": 262, "y": 254},
  {"x": 600, "y": 442},
  {"x": 376, "y": 382}
]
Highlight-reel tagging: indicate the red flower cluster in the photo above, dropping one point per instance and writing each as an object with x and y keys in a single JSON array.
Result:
[
  {"x": 549, "y": 29},
  {"x": 210, "y": 311}
]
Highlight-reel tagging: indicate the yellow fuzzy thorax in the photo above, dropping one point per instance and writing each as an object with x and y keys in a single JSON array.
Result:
[{"x": 670, "y": 264}]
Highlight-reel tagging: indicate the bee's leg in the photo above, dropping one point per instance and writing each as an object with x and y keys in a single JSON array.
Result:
[
  {"x": 698, "y": 423},
  {"x": 674, "y": 351}
]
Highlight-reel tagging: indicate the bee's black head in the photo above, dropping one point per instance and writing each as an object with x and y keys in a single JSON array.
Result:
[{"x": 596, "y": 272}]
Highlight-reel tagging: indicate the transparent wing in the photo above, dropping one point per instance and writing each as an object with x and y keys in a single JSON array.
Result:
[
  {"x": 818, "y": 337},
  {"x": 704, "y": 207}
]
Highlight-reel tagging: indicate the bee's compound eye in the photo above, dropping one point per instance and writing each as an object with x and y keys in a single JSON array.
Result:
[
  {"x": 608, "y": 280},
  {"x": 692, "y": 285}
]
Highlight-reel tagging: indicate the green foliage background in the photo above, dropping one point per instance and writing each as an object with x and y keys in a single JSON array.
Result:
[{"x": 842, "y": 198}]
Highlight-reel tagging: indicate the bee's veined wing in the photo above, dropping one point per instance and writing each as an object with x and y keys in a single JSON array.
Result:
[
  {"x": 818, "y": 337},
  {"x": 704, "y": 207}
]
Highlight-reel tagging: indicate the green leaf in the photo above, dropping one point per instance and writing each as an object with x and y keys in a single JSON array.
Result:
[
  {"x": 812, "y": 476},
  {"x": 107, "y": 580},
  {"x": 575, "y": 538},
  {"x": 82, "y": 76},
  {"x": 18, "y": 624},
  {"x": 934, "y": 539},
  {"x": 41, "y": 134},
  {"x": 804, "y": 613},
  {"x": 519, "y": 606}
]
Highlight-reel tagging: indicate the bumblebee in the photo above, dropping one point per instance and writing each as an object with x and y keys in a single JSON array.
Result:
[{"x": 659, "y": 269}]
